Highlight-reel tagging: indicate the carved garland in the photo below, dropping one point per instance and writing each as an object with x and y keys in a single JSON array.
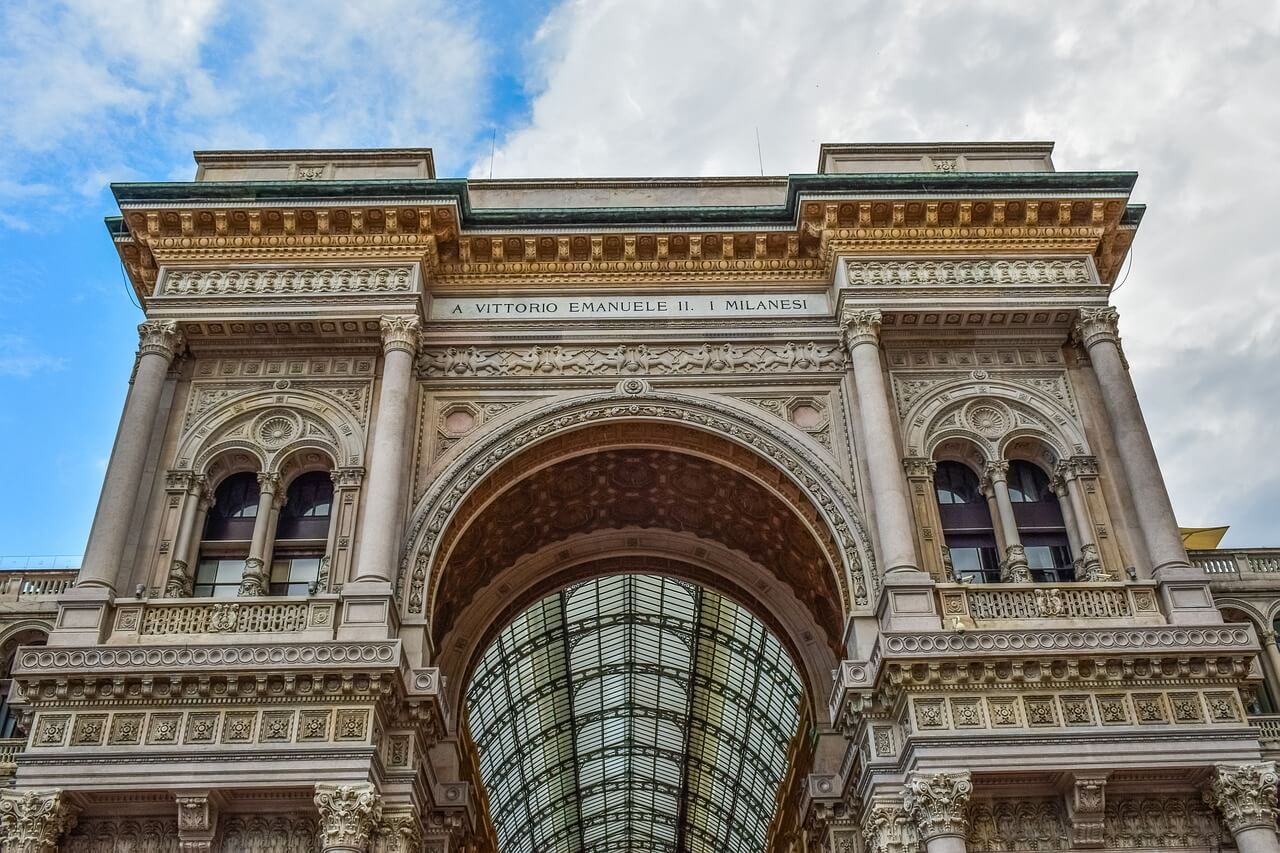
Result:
[{"x": 633, "y": 398}]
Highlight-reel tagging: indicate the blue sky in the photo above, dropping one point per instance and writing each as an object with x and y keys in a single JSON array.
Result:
[{"x": 103, "y": 91}]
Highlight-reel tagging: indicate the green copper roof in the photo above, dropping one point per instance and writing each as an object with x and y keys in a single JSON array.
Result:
[{"x": 634, "y": 714}]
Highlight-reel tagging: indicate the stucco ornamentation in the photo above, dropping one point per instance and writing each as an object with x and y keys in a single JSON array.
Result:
[
  {"x": 938, "y": 803},
  {"x": 1245, "y": 794},
  {"x": 896, "y": 273},
  {"x": 287, "y": 281},
  {"x": 348, "y": 814},
  {"x": 32, "y": 821}
]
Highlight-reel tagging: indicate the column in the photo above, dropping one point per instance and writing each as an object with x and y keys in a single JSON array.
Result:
[
  {"x": 1245, "y": 795},
  {"x": 934, "y": 557},
  {"x": 1090, "y": 560},
  {"x": 348, "y": 816},
  {"x": 197, "y": 822},
  {"x": 1267, "y": 637},
  {"x": 938, "y": 804},
  {"x": 1098, "y": 332},
  {"x": 32, "y": 821},
  {"x": 337, "y": 552},
  {"x": 182, "y": 569},
  {"x": 158, "y": 342},
  {"x": 1013, "y": 568},
  {"x": 879, "y": 427},
  {"x": 254, "y": 580},
  {"x": 1068, "y": 517},
  {"x": 388, "y": 460}
]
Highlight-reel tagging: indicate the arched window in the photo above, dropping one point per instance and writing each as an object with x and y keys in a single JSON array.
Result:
[
  {"x": 1040, "y": 524},
  {"x": 302, "y": 534},
  {"x": 10, "y": 717},
  {"x": 966, "y": 523},
  {"x": 228, "y": 530}
]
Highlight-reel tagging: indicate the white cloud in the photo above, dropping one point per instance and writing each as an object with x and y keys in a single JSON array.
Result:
[
  {"x": 18, "y": 358},
  {"x": 1183, "y": 93}
]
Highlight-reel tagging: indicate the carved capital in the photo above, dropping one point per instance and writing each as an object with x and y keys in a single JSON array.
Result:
[
  {"x": 178, "y": 584},
  {"x": 1086, "y": 807},
  {"x": 268, "y": 483},
  {"x": 860, "y": 326},
  {"x": 347, "y": 478},
  {"x": 400, "y": 332},
  {"x": 997, "y": 470},
  {"x": 254, "y": 580},
  {"x": 917, "y": 467},
  {"x": 1097, "y": 325},
  {"x": 348, "y": 815},
  {"x": 1091, "y": 569},
  {"x": 1245, "y": 794},
  {"x": 32, "y": 821},
  {"x": 1015, "y": 569},
  {"x": 160, "y": 337},
  {"x": 398, "y": 832},
  {"x": 1063, "y": 472},
  {"x": 938, "y": 803},
  {"x": 886, "y": 828},
  {"x": 1084, "y": 466}
]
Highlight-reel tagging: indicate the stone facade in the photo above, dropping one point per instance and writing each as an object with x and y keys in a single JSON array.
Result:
[{"x": 753, "y": 384}]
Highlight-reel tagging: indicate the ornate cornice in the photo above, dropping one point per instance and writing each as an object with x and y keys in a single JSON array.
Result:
[
  {"x": 160, "y": 337},
  {"x": 1245, "y": 794},
  {"x": 938, "y": 803},
  {"x": 860, "y": 326},
  {"x": 400, "y": 334}
]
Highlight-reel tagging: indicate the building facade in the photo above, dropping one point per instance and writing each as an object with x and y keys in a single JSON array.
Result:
[{"x": 839, "y": 478}]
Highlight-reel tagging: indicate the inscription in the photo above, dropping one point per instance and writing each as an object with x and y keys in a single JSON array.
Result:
[{"x": 728, "y": 305}]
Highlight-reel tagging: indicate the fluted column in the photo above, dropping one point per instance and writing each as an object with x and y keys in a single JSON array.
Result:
[
  {"x": 879, "y": 427},
  {"x": 1245, "y": 795},
  {"x": 159, "y": 341},
  {"x": 938, "y": 804},
  {"x": 32, "y": 821},
  {"x": 388, "y": 464},
  {"x": 254, "y": 579},
  {"x": 348, "y": 816},
  {"x": 194, "y": 506},
  {"x": 1013, "y": 568},
  {"x": 1098, "y": 332},
  {"x": 1090, "y": 561}
]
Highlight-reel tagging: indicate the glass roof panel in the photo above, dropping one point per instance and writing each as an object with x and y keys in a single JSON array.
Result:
[{"x": 633, "y": 714}]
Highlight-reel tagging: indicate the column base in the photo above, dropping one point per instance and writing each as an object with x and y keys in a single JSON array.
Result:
[
  {"x": 367, "y": 611},
  {"x": 84, "y": 616},
  {"x": 907, "y": 603},
  {"x": 1185, "y": 597}
]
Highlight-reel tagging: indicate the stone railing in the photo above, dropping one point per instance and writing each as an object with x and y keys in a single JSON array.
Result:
[
  {"x": 1237, "y": 562},
  {"x": 9, "y": 749},
  {"x": 1268, "y": 728},
  {"x": 218, "y": 619},
  {"x": 22, "y": 584},
  {"x": 1005, "y": 605}
]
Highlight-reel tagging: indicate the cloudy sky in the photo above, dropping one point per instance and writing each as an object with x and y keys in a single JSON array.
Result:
[{"x": 1183, "y": 92}]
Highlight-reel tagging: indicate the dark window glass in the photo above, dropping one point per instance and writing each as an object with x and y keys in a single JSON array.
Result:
[
  {"x": 235, "y": 506},
  {"x": 293, "y": 575},
  {"x": 1040, "y": 524},
  {"x": 218, "y": 578},
  {"x": 1028, "y": 484},
  {"x": 305, "y": 514},
  {"x": 957, "y": 484}
]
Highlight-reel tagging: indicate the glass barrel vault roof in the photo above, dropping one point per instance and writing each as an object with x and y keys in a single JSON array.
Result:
[{"x": 635, "y": 714}]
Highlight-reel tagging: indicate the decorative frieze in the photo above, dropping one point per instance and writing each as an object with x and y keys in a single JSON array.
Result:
[
  {"x": 213, "y": 725},
  {"x": 150, "y": 834},
  {"x": 289, "y": 281},
  {"x": 163, "y": 618},
  {"x": 1159, "y": 822},
  {"x": 259, "y": 833},
  {"x": 631, "y": 359},
  {"x": 967, "y": 272},
  {"x": 1016, "y": 824}
]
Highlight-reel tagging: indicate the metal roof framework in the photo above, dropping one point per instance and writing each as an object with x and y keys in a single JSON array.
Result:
[{"x": 634, "y": 713}]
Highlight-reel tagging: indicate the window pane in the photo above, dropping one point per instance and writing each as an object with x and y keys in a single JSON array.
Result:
[
  {"x": 279, "y": 571},
  {"x": 956, "y": 484},
  {"x": 230, "y": 571},
  {"x": 207, "y": 571},
  {"x": 1028, "y": 484},
  {"x": 304, "y": 569}
]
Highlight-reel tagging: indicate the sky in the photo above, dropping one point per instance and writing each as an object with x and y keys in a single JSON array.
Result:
[{"x": 1182, "y": 92}]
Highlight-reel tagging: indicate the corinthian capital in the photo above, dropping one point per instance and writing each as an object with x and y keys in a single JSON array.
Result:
[
  {"x": 1245, "y": 794},
  {"x": 886, "y": 828},
  {"x": 938, "y": 803},
  {"x": 160, "y": 337},
  {"x": 348, "y": 814},
  {"x": 997, "y": 470},
  {"x": 32, "y": 821},
  {"x": 860, "y": 326},
  {"x": 400, "y": 332},
  {"x": 1095, "y": 325}
]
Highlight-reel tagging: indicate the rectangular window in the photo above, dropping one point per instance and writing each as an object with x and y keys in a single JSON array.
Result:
[
  {"x": 294, "y": 575},
  {"x": 218, "y": 578}
]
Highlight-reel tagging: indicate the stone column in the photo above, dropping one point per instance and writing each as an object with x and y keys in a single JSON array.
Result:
[
  {"x": 1013, "y": 568},
  {"x": 1090, "y": 561},
  {"x": 1245, "y": 794},
  {"x": 388, "y": 460},
  {"x": 1098, "y": 332},
  {"x": 1068, "y": 517},
  {"x": 197, "y": 822},
  {"x": 879, "y": 427},
  {"x": 1267, "y": 638},
  {"x": 348, "y": 816},
  {"x": 182, "y": 569},
  {"x": 254, "y": 580},
  {"x": 938, "y": 804},
  {"x": 159, "y": 342},
  {"x": 32, "y": 821}
]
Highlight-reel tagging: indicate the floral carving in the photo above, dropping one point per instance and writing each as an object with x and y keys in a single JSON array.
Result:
[
  {"x": 967, "y": 272},
  {"x": 272, "y": 282},
  {"x": 886, "y": 828},
  {"x": 32, "y": 821},
  {"x": 1245, "y": 794},
  {"x": 938, "y": 803},
  {"x": 160, "y": 337},
  {"x": 348, "y": 814}
]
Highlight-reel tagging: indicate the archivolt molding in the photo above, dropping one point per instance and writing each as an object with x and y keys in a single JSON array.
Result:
[
  {"x": 992, "y": 413},
  {"x": 275, "y": 425},
  {"x": 634, "y": 399}
]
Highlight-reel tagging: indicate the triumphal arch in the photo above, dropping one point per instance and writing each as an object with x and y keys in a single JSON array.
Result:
[{"x": 676, "y": 514}]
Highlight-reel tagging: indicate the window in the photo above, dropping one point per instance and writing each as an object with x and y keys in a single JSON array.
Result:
[
  {"x": 966, "y": 523},
  {"x": 11, "y": 717},
  {"x": 302, "y": 534},
  {"x": 228, "y": 530},
  {"x": 1040, "y": 523}
]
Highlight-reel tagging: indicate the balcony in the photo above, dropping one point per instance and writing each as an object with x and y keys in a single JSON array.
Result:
[
  {"x": 9, "y": 749},
  {"x": 28, "y": 583},
  {"x": 1237, "y": 563},
  {"x": 163, "y": 620},
  {"x": 1067, "y": 605}
]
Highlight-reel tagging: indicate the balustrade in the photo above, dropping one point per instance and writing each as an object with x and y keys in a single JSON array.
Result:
[
  {"x": 994, "y": 605},
  {"x": 1240, "y": 561},
  {"x": 218, "y": 618}
]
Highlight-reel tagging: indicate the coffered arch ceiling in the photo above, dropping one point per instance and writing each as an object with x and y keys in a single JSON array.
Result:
[{"x": 637, "y": 475}]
